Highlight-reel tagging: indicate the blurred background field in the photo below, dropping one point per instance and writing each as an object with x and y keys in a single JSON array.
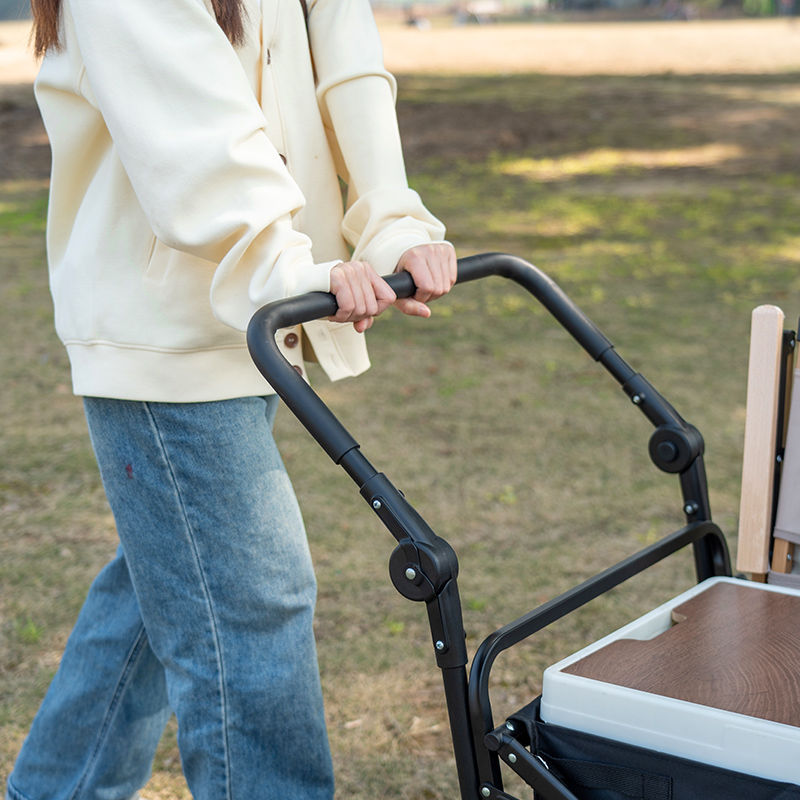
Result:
[{"x": 653, "y": 169}]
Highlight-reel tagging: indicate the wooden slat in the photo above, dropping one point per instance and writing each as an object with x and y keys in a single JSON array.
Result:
[
  {"x": 782, "y": 556},
  {"x": 761, "y": 424}
]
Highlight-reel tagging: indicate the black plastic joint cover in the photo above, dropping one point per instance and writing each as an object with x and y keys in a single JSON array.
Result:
[
  {"x": 447, "y": 628},
  {"x": 408, "y": 575},
  {"x": 396, "y": 513},
  {"x": 673, "y": 449},
  {"x": 434, "y": 563},
  {"x": 651, "y": 403}
]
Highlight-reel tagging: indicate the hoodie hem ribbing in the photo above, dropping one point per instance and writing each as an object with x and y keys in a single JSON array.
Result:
[{"x": 166, "y": 376}]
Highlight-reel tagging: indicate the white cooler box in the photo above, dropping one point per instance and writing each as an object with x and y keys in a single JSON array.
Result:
[{"x": 713, "y": 676}]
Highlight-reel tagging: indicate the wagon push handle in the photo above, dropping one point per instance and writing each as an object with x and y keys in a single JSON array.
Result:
[
  {"x": 423, "y": 567},
  {"x": 675, "y": 446}
]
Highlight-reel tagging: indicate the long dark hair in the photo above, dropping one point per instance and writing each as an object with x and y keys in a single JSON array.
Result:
[{"x": 46, "y": 13}]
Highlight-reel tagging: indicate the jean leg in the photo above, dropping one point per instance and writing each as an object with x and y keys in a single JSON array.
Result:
[
  {"x": 218, "y": 556},
  {"x": 98, "y": 727}
]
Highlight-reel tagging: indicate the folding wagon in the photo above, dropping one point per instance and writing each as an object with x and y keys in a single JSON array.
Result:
[{"x": 617, "y": 719}]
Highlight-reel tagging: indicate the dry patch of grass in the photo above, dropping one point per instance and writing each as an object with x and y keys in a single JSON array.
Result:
[{"x": 607, "y": 161}]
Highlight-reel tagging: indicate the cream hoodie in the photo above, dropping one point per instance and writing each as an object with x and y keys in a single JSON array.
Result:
[{"x": 190, "y": 179}]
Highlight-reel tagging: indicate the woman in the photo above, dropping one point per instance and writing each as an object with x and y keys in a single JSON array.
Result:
[{"x": 197, "y": 156}]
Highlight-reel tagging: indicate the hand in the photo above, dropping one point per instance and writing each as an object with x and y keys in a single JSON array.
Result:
[
  {"x": 361, "y": 294},
  {"x": 434, "y": 269}
]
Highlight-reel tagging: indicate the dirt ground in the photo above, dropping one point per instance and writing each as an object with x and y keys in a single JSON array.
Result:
[
  {"x": 704, "y": 47},
  {"x": 597, "y": 48}
]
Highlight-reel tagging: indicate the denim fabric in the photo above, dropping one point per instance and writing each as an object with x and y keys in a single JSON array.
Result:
[{"x": 205, "y": 611}]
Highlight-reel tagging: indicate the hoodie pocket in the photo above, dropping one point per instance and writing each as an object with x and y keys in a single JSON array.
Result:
[{"x": 158, "y": 261}]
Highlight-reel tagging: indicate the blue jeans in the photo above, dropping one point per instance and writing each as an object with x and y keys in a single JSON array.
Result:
[{"x": 205, "y": 611}]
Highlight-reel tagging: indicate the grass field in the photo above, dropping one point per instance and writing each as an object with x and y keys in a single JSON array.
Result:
[{"x": 666, "y": 204}]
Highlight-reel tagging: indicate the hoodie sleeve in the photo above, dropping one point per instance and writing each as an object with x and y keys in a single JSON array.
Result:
[
  {"x": 191, "y": 137},
  {"x": 356, "y": 94}
]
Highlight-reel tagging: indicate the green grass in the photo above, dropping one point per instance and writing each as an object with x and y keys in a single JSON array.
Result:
[{"x": 667, "y": 207}]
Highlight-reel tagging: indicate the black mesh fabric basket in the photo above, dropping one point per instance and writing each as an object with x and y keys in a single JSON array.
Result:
[{"x": 596, "y": 768}]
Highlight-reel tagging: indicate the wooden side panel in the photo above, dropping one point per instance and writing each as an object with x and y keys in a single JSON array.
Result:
[{"x": 761, "y": 421}]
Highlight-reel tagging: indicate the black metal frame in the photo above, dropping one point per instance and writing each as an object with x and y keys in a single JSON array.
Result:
[
  {"x": 423, "y": 567},
  {"x": 788, "y": 345}
]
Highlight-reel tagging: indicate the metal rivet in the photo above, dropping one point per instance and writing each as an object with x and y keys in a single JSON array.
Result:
[
  {"x": 440, "y": 645},
  {"x": 690, "y": 508},
  {"x": 637, "y": 399},
  {"x": 376, "y": 504},
  {"x": 486, "y": 791},
  {"x": 512, "y": 759},
  {"x": 509, "y": 726},
  {"x": 411, "y": 574}
]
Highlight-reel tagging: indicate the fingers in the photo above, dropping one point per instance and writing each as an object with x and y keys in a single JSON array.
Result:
[
  {"x": 412, "y": 307},
  {"x": 434, "y": 269},
  {"x": 360, "y": 292}
]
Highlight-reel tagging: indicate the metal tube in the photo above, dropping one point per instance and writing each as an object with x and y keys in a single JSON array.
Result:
[{"x": 455, "y": 691}]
